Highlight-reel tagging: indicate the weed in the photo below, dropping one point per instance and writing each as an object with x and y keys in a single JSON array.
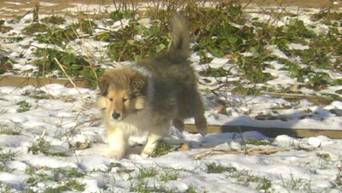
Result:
[
  {"x": 119, "y": 15},
  {"x": 70, "y": 185},
  {"x": 57, "y": 20},
  {"x": 338, "y": 179},
  {"x": 168, "y": 176},
  {"x": 36, "y": 94},
  {"x": 295, "y": 183},
  {"x": 6, "y": 188},
  {"x": 215, "y": 72},
  {"x": 4, "y": 158},
  {"x": 43, "y": 146},
  {"x": 58, "y": 36},
  {"x": 23, "y": 106},
  {"x": 36, "y": 176},
  {"x": 74, "y": 65},
  {"x": 35, "y": 28},
  {"x": 216, "y": 168},
  {"x": 327, "y": 16},
  {"x": 5, "y": 63},
  {"x": 162, "y": 149},
  {"x": 7, "y": 130},
  {"x": 4, "y": 28},
  {"x": 264, "y": 185},
  {"x": 143, "y": 188},
  {"x": 253, "y": 66},
  {"x": 191, "y": 189},
  {"x": 67, "y": 173},
  {"x": 258, "y": 142},
  {"x": 105, "y": 36},
  {"x": 126, "y": 47},
  {"x": 146, "y": 173},
  {"x": 324, "y": 156},
  {"x": 14, "y": 39},
  {"x": 260, "y": 183},
  {"x": 243, "y": 90},
  {"x": 87, "y": 26}
]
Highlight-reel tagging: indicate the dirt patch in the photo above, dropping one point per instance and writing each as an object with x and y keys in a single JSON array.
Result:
[{"x": 12, "y": 8}]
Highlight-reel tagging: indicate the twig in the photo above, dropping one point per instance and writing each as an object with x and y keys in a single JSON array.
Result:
[{"x": 68, "y": 77}]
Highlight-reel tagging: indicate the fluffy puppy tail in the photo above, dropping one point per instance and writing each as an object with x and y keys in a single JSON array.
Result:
[{"x": 180, "y": 45}]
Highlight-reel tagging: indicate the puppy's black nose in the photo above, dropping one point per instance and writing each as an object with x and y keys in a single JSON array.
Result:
[{"x": 115, "y": 115}]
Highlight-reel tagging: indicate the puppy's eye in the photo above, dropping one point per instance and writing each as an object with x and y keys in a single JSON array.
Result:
[
  {"x": 111, "y": 99},
  {"x": 124, "y": 99}
]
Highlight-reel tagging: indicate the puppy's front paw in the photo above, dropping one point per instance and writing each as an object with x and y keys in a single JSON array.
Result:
[
  {"x": 146, "y": 153},
  {"x": 115, "y": 154}
]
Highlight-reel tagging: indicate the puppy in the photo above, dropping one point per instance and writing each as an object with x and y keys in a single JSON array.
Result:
[{"x": 151, "y": 94}]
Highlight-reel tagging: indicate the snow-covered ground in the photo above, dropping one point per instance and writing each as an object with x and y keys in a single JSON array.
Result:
[{"x": 51, "y": 138}]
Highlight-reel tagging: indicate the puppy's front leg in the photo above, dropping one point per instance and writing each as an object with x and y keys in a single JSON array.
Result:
[
  {"x": 117, "y": 142},
  {"x": 151, "y": 144}
]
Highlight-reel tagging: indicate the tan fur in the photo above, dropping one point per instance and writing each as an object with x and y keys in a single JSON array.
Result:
[{"x": 150, "y": 95}]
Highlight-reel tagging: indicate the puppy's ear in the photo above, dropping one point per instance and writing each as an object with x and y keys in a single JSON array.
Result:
[
  {"x": 138, "y": 83},
  {"x": 139, "y": 103},
  {"x": 104, "y": 84}
]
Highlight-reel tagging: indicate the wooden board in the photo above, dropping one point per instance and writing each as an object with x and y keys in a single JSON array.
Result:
[
  {"x": 270, "y": 132},
  {"x": 19, "y": 81}
]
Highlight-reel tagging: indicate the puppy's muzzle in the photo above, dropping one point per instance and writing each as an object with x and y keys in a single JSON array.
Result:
[{"x": 116, "y": 115}]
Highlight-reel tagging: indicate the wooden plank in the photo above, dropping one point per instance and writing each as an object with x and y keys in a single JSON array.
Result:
[
  {"x": 19, "y": 81},
  {"x": 270, "y": 132}
]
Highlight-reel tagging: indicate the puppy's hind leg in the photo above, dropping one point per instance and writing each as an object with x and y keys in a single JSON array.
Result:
[
  {"x": 200, "y": 120},
  {"x": 152, "y": 141},
  {"x": 178, "y": 123},
  {"x": 201, "y": 124}
]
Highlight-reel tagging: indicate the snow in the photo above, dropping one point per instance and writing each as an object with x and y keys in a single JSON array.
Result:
[{"x": 62, "y": 114}]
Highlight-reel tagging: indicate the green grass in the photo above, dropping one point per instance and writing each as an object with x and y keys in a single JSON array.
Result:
[
  {"x": 294, "y": 183},
  {"x": 5, "y": 156},
  {"x": 23, "y": 106},
  {"x": 191, "y": 189},
  {"x": 217, "y": 168},
  {"x": 43, "y": 146},
  {"x": 74, "y": 65},
  {"x": 169, "y": 176},
  {"x": 57, "y": 20},
  {"x": 7, "y": 130},
  {"x": 258, "y": 142},
  {"x": 162, "y": 148},
  {"x": 13, "y": 39},
  {"x": 35, "y": 28},
  {"x": 68, "y": 172},
  {"x": 58, "y": 36},
  {"x": 146, "y": 173},
  {"x": 214, "y": 72},
  {"x": 125, "y": 47},
  {"x": 59, "y": 179},
  {"x": 87, "y": 26},
  {"x": 71, "y": 185}
]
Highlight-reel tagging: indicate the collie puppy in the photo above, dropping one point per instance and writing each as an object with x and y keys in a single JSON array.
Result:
[{"x": 151, "y": 95}]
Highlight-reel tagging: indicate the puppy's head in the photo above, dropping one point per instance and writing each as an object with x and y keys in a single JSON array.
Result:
[{"x": 122, "y": 93}]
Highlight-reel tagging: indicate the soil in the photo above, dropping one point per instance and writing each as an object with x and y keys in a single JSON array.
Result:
[{"x": 13, "y": 8}]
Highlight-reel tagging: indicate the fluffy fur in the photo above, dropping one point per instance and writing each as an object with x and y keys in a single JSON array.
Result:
[{"x": 151, "y": 94}]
